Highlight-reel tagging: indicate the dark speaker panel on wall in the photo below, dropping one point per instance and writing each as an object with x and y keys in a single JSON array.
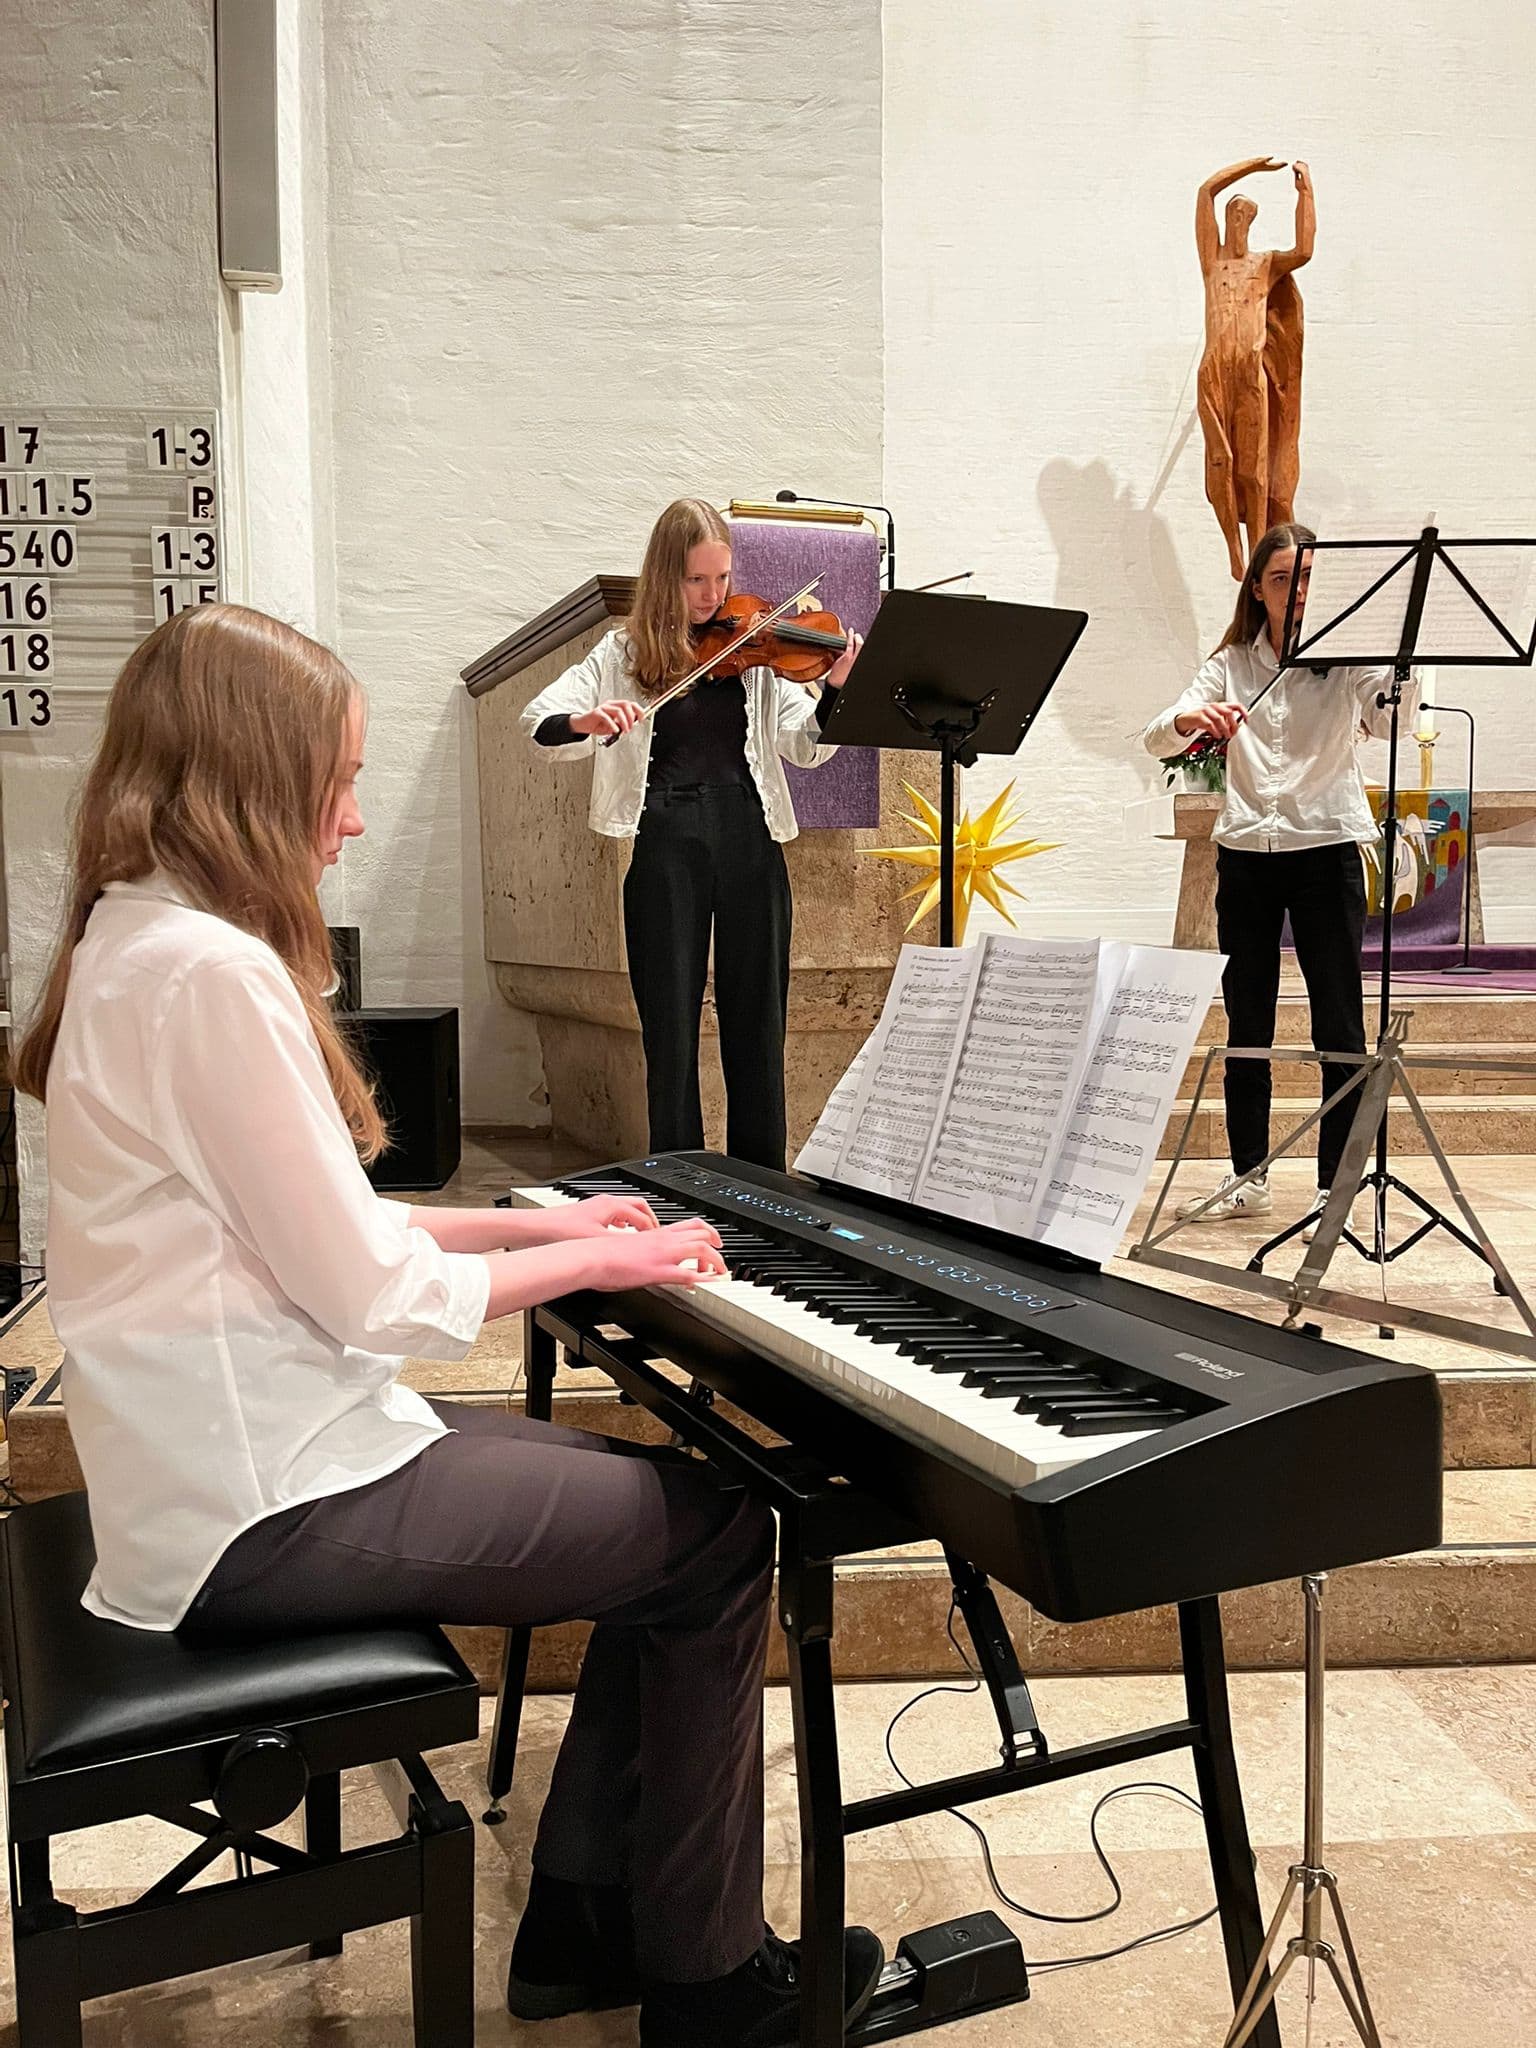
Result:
[{"x": 250, "y": 215}]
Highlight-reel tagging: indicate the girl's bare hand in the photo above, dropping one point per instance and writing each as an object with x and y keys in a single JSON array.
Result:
[
  {"x": 616, "y": 717},
  {"x": 606, "y": 1212},
  {"x": 678, "y": 1255}
]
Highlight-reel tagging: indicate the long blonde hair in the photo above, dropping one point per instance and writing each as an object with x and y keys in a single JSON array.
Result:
[
  {"x": 1250, "y": 617},
  {"x": 219, "y": 760},
  {"x": 660, "y": 650}
]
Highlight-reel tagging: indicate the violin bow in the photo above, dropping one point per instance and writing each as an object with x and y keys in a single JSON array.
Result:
[{"x": 758, "y": 625}]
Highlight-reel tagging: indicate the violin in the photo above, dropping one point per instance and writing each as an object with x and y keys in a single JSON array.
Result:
[
  {"x": 748, "y": 632},
  {"x": 801, "y": 649}
]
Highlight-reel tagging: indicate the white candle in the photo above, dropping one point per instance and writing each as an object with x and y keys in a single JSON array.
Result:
[{"x": 1425, "y": 730}]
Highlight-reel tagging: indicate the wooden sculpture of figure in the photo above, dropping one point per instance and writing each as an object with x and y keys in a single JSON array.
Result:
[{"x": 1250, "y": 374}]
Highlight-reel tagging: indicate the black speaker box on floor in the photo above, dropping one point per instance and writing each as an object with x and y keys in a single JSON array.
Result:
[
  {"x": 347, "y": 959},
  {"x": 413, "y": 1056}
]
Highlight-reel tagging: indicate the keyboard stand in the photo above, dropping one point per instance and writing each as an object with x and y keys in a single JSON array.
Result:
[
  {"x": 996, "y": 1660},
  {"x": 821, "y": 1521}
]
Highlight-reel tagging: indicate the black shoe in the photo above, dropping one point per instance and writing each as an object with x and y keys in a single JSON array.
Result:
[
  {"x": 757, "y": 2005},
  {"x": 574, "y": 1952}
]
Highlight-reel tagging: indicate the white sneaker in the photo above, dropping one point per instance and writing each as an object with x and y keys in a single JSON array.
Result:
[
  {"x": 1315, "y": 1215},
  {"x": 1251, "y": 1199}
]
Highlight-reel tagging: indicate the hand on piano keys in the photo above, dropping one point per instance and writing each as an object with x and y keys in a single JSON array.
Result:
[
  {"x": 606, "y": 1212},
  {"x": 669, "y": 1255}
]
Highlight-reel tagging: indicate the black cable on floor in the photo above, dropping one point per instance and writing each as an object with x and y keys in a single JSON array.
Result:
[{"x": 1151, "y": 1788}]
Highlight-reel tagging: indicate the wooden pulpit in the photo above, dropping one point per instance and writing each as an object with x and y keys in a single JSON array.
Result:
[{"x": 554, "y": 924}]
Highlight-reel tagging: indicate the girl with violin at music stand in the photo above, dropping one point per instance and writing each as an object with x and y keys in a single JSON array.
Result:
[{"x": 696, "y": 782}]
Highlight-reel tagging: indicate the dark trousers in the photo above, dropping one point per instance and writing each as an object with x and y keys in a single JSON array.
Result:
[
  {"x": 659, "y": 1780},
  {"x": 1323, "y": 889},
  {"x": 704, "y": 861}
]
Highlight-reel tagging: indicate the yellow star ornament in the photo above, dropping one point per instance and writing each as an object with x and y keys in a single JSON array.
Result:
[{"x": 982, "y": 850}]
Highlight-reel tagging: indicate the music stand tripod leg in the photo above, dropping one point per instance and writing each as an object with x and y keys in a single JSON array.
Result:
[{"x": 1311, "y": 1876}]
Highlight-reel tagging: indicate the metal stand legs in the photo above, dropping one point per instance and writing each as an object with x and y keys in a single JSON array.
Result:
[{"x": 1311, "y": 1878}]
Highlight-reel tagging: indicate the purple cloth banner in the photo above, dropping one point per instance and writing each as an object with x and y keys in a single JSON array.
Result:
[{"x": 772, "y": 560}]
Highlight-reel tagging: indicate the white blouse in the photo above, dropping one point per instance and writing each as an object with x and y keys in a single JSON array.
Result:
[
  {"x": 781, "y": 721},
  {"x": 1293, "y": 781},
  {"x": 233, "y": 1298}
]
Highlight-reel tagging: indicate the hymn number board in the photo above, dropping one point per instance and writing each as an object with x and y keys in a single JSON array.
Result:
[{"x": 109, "y": 523}]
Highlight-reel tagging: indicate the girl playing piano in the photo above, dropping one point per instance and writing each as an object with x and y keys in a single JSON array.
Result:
[
  {"x": 699, "y": 788},
  {"x": 235, "y": 1304}
]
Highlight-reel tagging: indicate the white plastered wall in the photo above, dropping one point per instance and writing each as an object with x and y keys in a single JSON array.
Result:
[{"x": 582, "y": 259}]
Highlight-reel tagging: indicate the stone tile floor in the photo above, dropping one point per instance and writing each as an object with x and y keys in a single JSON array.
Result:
[{"x": 1432, "y": 1811}]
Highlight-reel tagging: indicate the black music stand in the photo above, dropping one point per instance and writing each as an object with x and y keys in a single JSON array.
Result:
[
  {"x": 953, "y": 679},
  {"x": 1420, "y": 597}
]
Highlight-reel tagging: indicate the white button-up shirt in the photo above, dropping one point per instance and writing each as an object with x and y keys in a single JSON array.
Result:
[
  {"x": 781, "y": 720},
  {"x": 233, "y": 1298},
  {"x": 1292, "y": 777}
]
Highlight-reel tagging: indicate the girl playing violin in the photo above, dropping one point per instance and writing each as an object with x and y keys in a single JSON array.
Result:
[{"x": 698, "y": 786}]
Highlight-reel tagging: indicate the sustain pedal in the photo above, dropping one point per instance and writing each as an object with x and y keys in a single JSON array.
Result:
[{"x": 965, "y": 1966}]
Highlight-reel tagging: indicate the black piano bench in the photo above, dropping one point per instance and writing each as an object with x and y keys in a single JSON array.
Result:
[{"x": 104, "y": 1722}]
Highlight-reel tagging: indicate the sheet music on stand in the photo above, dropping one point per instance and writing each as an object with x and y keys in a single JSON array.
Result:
[
  {"x": 1019, "y": 1083},
  {"x": 1480, "y": 597}
]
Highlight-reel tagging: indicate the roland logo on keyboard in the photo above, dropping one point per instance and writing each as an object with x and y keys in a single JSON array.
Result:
[{"x": 1217, "y": 1372}]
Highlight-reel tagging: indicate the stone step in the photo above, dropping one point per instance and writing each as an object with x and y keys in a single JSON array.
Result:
[
  {"x": 1471, "y": 1126},
  {"x": 1438, "y": 1020},
  {"x": 1293, "y": 1078},
  {"x": 1471, "y": 1601},
  {"x": 1489, "y": 1410}
]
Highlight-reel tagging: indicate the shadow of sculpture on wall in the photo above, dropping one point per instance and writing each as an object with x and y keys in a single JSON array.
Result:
[{"x": 1116, "y": 558}]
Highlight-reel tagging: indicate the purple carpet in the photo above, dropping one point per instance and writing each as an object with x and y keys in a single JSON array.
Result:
[
  {"x": 1410, "y": 956},
  {"x": 1507, "y": 970},
  {"x": 772, "y": 560}
]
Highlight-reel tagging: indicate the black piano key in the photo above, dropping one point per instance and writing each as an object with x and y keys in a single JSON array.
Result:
[
  {"x": 1061, "y": 1408},
  {"x": 819, "y": 1298},
  {"x": 962, "y": 1354},
  {"x": 957, "y": 1368},
  {"x": 995, "y": 1340},
  {"x": 1008, "y": 1387},
  {"x": 852, "y": 1314},
  {"x": 1031, "y": 1362},
  {"x": 1031, "y": 1369},
  {"x": 907, "y": 1344},
  {"x": 836, "y": 1285},
  {"x": 897, "y": 1326},
  {"x": 1035, "y": 1377},
  {"x": 1110, "y": 1424}
]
